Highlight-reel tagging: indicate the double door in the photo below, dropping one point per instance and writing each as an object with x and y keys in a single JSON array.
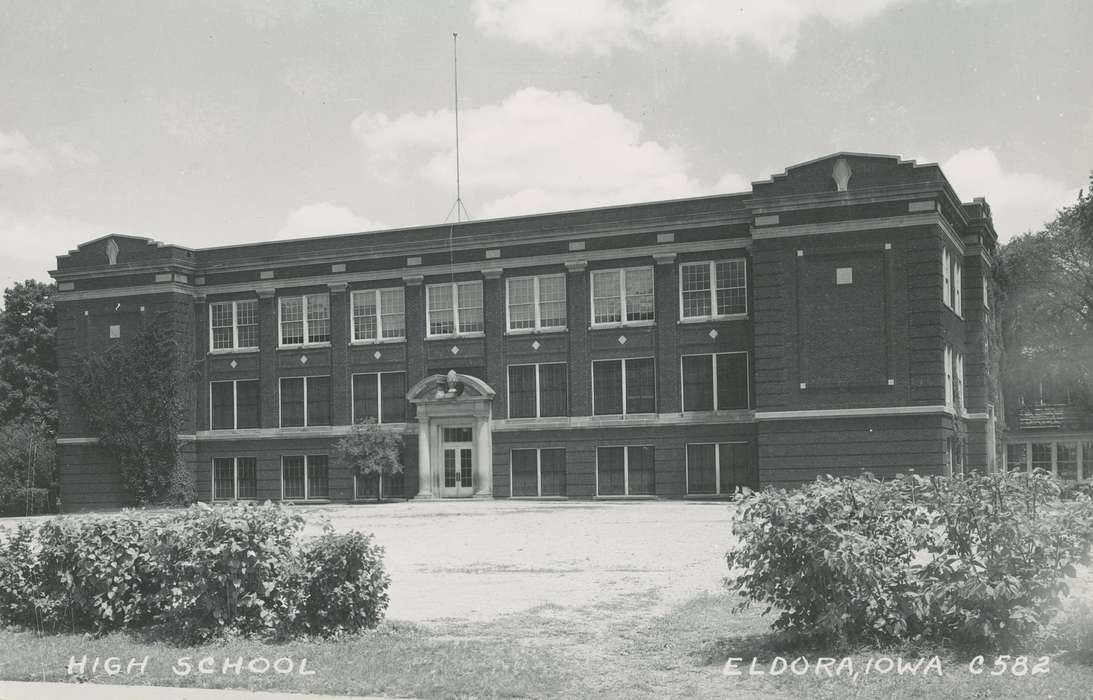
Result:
[{"x": 458, "y": 452}]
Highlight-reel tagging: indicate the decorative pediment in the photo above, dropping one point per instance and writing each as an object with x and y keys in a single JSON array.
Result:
[{"x": 450, "y": 387}]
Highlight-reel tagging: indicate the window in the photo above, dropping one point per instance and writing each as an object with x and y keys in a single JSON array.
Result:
[
  {"x": 958, "y": 365},
  {"x": 717, "y": 469},
  {"x": 305, "y": 401},
  {"x": 372, "y": 486},
  {"x": 622, "y": 296},
  {"x": 379, "y": 314},
  {"x": 952, "y": 276},
  {"x": 954, "y": 378},
  {"x": 233, "y": 325},
  {"x": 305, "y": 319},
  {"x": 235, "y": 478},
  {"x": 625, "y": 471},
  {"x": 715, "y": 382},
  {"x": 536, "y": 302},
  {"x": 1017, "y": 457},
  {"x": 538, "y": 391},
  {"x": 304, "y": 478},
  {"x": 986, "y": 292},
  {"x": 713, "y": 289},
  {"x": 1041, "y": 456},
  {"x": 454, "y": 308},
  {"x": 380, "y": 395},
  {"x": 538, "y": 472},
  {"x": 623, "y": 386},
  {"x": 234, "y": 404},
  {"x": 958, "y": 287},
  {"x": 1066, "y": 460},
  {"x": 946, "y": 276}
]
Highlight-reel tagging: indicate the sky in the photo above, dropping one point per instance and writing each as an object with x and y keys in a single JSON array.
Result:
[{"x": 212, "y": 122}]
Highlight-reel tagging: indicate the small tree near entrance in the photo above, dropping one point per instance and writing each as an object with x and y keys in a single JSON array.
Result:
[{"x": 369, "y": 449}]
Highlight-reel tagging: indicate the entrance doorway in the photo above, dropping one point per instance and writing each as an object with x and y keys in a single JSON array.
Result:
[{"x": 458, "y": 450}]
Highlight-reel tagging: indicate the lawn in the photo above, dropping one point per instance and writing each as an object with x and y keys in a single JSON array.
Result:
[{"x": 543, "y": 600}]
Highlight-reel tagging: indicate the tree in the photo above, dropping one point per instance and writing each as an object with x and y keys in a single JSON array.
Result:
[
  {"x": 28, "y": 356},
  {"x": 370, "y": 449},
  {"x": 1047, "y": 282}
]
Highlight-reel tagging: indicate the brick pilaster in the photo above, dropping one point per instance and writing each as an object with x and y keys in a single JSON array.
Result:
[
  {"x": 666, "y": 284},
  {"x": 339, "y": 353},
  {"x": 267, "y": 360},
  {"x": 580, "y": 367},
  {"x": 493, "y": 309}
]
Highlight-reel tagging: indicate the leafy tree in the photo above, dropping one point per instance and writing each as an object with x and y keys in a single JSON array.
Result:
[
  {"x": 369, "y": 449},
  {"x": 28, "y": 356},
  {"x": 1046, "y": 279}
]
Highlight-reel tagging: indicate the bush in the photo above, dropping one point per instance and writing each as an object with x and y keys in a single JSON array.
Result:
[
  {"x": 19, "y": 575},
  {"x": 344, "y": 584},
  {"x": 975, "y": 560},
  {"x": 16, "y": 502}
]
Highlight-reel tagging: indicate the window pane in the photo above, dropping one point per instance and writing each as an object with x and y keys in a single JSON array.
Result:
[
  {"x": 552, "y": 471},
  {"x": 553, "y": 390},
  {"x": 525, "y": 476},
  {"x": 292, "y": 477},
  {"x": 701, "y": 469},
  {"x": 698, "y": 383},
  {"x": 318, "y": 486},
  {"x": 364, "y": 315},
  {"x": 318, "y": 400},
  {"x": 221, "y": 318},
  {"x": 223, "y": 406},
  {"x": 639, "y": 295},
  {"x": 223, "y": 478},
  {"x": 292, "y": 402},
  {"x": 441, "y": 314},
  {"x": 1016, "y": 457},
  {"x": 292, "y": 320},
  {"x": 521, "y": 391},
  {"x": 470, "y": 307},
  {"x": 393, "y": 385},
  {"x": 521, "y": 303},
  {"x": 732, "y": 380},
  {"x": 246, "y": 318},
  {"x": 318, "y": 319},
  {"x": 641, "y": 394},
  {"x": 1066, "y": 460},
  {"x": 609, "y": 470},
  {"x": 1087, "y": 461},
  {"x": 607, "y": 387},
  {"x": 736, "y": 468},
  {"x": 552, "y": 311},
  {"x": 247, "y": 397},
  {"x": 393, "y": 308},
  {"x": 640, "y": 470},
  {"x": 695, "y": 283},
  {"x": 731, "y": 287},
  {"x": 606, "y": 299},
  {"x": 365, "y": 397},
  {"x": 247, "y": 477},
  {"x": 1041, "y": 455}
]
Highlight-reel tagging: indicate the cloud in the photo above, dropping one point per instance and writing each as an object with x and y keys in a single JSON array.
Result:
[
  {"x": 1019, "y": 201},
  {"x": 19, "y": 154},
  {"x": 604, "y": 25},
  {"x": 324, "y": 218},
  {"x": 40, "y": 239},
  {"x": 534, "y": 151}
]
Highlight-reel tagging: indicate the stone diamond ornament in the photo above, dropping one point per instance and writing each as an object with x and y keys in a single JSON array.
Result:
[
  {"x": 455, "y": 350},
  {"x": 536, "y": 345},
  {"x": 234, "y": 364},
  {"x": 303, "y": 359},
  {"x": 377, "y": 354},
  {"x": 713, "y": 333},
  {"x": 622, "y": 340}
]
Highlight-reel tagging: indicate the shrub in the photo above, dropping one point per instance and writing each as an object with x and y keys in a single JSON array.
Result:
[
  {"x": 980, "y": 559},
  {"x": 344, "y": 584},
  {"x": 25, "y": 501},
  {"x": 18, "y": 575}
]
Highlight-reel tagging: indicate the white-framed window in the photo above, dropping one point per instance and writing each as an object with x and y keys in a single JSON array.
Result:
[
  {"x": 958, "y": 287},
  {"x": 305, "y": 401},
  {"x": 379, "y": 315},
  {"x": 954, "y": 378},
  {"x": 537, "y": 472},
  {"x": 234, "y": 404},
  {"x": 304, "y": 477},
  {"x": 305, "y": 319},
  {"x": 233, "y": 325},
  {"x": 535, "y": 302},
  {"x": 380, "y": 395},
  {"x": 715, "y": 469},
  {"x": 715, "y": 381},
  {"x": 958, "y": 366},
  {"x": 986, "y": 292},
  {"x": 235, "y": 478},
  {"x": 622, "y": 387},
  {"x": 623, "y": 296},
  {"x": 625, "y": 470},
  {"x": 946, "y": 276},
  {"x": 948, "y": 375},
  {"x": 713, "y": 289},
  {"x": 454, "y": 308},
  {"x": 538, "y": 390}
]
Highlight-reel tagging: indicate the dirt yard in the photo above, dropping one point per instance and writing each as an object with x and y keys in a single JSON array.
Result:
[{"x": 477, "y": 560}]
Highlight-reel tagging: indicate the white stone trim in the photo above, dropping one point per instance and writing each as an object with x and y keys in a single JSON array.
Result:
[{"x": 852, "y": 412}]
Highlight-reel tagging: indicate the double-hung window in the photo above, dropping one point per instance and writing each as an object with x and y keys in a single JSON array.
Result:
[
  {"x": 234, "y": 404},
  {"x": 715, "y": 382},
  {"x": 235, "y": 478},
  {"x": 233, "y": 325},
  {"x": 304, "y": 478},
  {"x": 713, "y": 289},
  {"x": 625, "y": 471},
  {"x": 381, "y": 396},
  {"x": 536, "y": 302},
  {"x": 379, "y": 314},
  {"x": 538, "y": 391},
  {"x": 305, "y": 401},
  {"x": 454, "y": 308},
  {"x": 305, "y": 319},
  {"x": 717, "y": 469},
  {"x": 946, "y": 276},
  {"x": 622, "y": 296},
  {"x": 621, "y": 387},
  {"x": 537, "y": 472},
  {"x": 954, "y": 378}
]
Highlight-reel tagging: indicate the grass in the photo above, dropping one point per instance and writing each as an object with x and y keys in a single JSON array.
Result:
[{"x": 552, "y": 651}]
